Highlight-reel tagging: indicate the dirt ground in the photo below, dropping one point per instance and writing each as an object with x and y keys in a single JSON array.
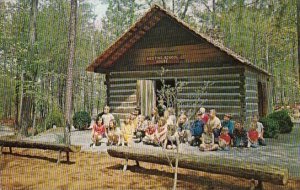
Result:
[{"x": 37, "y": 169}]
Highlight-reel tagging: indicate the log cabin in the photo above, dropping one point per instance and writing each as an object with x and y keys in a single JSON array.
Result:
[{"x": 132, "y": 66}]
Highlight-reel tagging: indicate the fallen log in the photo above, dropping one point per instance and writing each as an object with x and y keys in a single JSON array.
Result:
[
  {"x": 39, "y": 145},
  {"x": 10, "y": 142},
  {"x": 210, "y": 164}
]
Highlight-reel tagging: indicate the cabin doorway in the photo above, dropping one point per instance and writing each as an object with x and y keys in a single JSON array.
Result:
[
  {"x": 170, "y": 99},
  {"x": 262, "y": 99},
  {"x": 146, "y": 97}
]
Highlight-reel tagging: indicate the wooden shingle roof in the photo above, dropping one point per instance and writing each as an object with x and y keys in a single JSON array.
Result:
[{"x": 140, "y": 28}]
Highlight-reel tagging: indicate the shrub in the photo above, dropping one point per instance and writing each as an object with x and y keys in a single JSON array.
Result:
[
  {"x": 81, "y": 120},
  {"x": 284, "y": 120},
  {"x": 55, "y": 117},
  {"x": 271, "y": 127}
]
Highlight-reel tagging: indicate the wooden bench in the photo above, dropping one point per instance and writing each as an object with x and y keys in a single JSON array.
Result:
[
  {"x": 9, "y": 142},
  {"x": 211, "y": 164}
]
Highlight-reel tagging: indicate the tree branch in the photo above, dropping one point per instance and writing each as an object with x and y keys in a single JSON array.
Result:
[
  {"x": 164, "y": 4},
  {"x": 182, "y": 16},
  {"x": 207, "y": 7}
]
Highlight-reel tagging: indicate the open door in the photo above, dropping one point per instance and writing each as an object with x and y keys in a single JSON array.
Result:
[
  {"x": 146, "y": 98},
  {"x": 262, "y": 99}
]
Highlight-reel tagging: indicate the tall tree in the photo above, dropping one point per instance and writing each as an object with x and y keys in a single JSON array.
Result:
[
  {"x": 186, "y": 6},
  {"x": 27, "y": 98},
  {"x": 298, "y": 32},
  {"x": 71, "y": 47}
]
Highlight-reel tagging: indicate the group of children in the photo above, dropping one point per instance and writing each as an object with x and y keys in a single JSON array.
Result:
[{"x": 206, "y": 131}]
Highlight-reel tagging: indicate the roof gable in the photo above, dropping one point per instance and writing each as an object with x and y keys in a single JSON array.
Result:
[
  {"x": 148, "y": 25},
  {"x": 166, "y": 33}
]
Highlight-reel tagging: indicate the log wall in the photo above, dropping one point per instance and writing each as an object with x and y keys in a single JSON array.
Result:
[
  {"x": 188, "y": 59},
  {"x": 253, "y": 97},
  {"x": 225, "y": 92}
]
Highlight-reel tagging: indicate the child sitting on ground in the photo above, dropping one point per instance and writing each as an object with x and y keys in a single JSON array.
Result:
[
  {"x": 141, "y": 127},
  {"x": 208, "y": 143},
  {"x": 127, "y": 130},
  {"x": 98, "y": 131},
  {"x": 215, "y": 124},
  {"x": 183, "y": 129},
  {"x": 240, "y": 138},
  {"x": 253, "y": 137},
  {"x": 259, "y": 129},
  {"x": 114, "y": 133},
  {"x": 227, "y": 122},
  {"x": 150, "y": 133},
  {"x": 197, "y": 130},
  {"x": 224, "y": 139},
  {"x": 172, "y": 136},
  {"x": 155, "y": 115},
  {"x": 161, "y": 133},
  {"x": 134, "y": 119}
]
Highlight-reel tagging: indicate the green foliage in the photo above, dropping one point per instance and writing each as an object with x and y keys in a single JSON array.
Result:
[
  {"x": 271, "y": 127},
  {"x": 284, "y": 120},
  {"x": 40, "y": 127},
  {"x": 81, "y": 120},
  {"x": 54, "y": 118}
]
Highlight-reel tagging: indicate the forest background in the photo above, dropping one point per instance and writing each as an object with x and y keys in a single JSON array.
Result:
[{"x": 35, "y": 53}]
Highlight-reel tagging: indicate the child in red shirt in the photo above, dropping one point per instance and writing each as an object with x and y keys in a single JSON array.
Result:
[
  {"x": 204, "y": 116},
  {"x": 253, "y": 137},
  {"x": 98, "y": 131},
  {"x": 150, "y": 133},
  {"x": 224, "y": 139}
]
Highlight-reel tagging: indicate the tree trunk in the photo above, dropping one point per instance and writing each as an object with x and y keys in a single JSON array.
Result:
[
  {"x": 298, "y": 32},
  {"x": 173, "y": 6},
  {"x": 21, "y": 99},
  {"x": 11, "y": 90},
  {"x": 164, "y": 4},
  {"x": 28, "y": 98},
  {"x": 17, "y": 92},
  {"x": 187, "y": 4},
  {"x": 92, "y": 77},
  {"x": 85, "y": 92},
  {"x": 213, "y": 14},
  {"x": 267, "y": 53},
  {"x": 71, "y": 46},
  {"x": 254, "y": 48},
  {"x": 61, "y": 87},
  {"x": 5, "y": 105}
]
